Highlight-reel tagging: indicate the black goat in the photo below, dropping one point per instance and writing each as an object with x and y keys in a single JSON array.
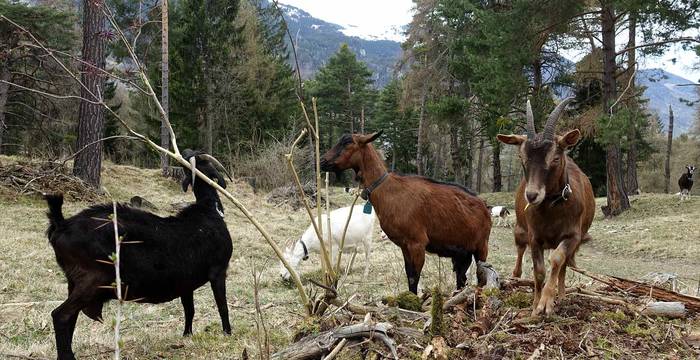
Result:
[
  {"x": 164, "y": 258},
  {"x": 686, "y": 182}
]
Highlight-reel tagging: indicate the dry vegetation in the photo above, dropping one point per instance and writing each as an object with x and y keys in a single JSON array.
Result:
[{"x": 658, "y": 235}]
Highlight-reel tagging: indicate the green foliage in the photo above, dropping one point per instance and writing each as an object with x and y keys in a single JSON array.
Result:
[
  {"x": 400, "y": 137},
  {"x": 343, "y": 89}
]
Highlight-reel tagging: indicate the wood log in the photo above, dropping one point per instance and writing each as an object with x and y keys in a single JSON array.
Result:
[
  {"x": 692, "y": 304},
  {"x": 313, "y": 347},
  {"x": 487, "y": 276},
  {"x": 673, "y": 310},
  {"x": 465, "y": 295}
]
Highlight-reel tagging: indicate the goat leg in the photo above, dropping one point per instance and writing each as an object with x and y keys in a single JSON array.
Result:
[
  {"x": 188, "y": 305},
  {"x": 65, "y": 317},
  {"x": 537, "y": 254},
  {"x": 414, "y": 258},
  {"x": 218, "y": 286}
]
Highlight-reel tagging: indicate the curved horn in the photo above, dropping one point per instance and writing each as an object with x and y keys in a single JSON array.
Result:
[
  {"x": 530, "y": 121},
  {"x": 548, "y": 132},
  {"x": 218, "y": 164},
  {"x": 193, "y": 163}
]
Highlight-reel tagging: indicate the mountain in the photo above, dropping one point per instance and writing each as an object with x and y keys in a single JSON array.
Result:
[
  {"x": 662, "y": 90},
  {"x": 318, "y": 40}
]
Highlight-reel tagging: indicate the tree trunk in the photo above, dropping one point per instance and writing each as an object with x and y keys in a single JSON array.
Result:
[
  {"x": 421, "y": 136},
  {"x": 455, "y": 153},
  {"x": 632, "y": 181},
  {"x": 362, "y": 120},
  {"x": 5, "y": 75},
  {"x": 667, "y": 183},
  {"x": 164, "y": 96},
  {"x": 497, "y": 183},
  {"x": 90, "y": 116},
  {"x": 349, "y": 113},
  {"x": 480, "y": 164},
  {"x": 617, "y": 198}
]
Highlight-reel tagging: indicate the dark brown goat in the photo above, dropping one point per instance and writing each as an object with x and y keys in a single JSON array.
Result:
[
  {"x": 554, "y": 205},
  {"x": 417, "y": 213}
]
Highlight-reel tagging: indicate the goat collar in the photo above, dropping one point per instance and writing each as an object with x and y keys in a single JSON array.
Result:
[
  {"x": 306, "y": 251},
  {"x": 368, "y": 190},
  {"x": 564, "y": 194}
]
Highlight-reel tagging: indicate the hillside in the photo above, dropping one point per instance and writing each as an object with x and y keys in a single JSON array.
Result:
[
  {"x": 318, "y": 40},
  {"x": 662, "y": 90}
]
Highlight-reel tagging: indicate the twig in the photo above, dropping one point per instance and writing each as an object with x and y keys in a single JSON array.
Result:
[
  {"x": 336, "y": 350},
  {"x": 118, "y": 282}
]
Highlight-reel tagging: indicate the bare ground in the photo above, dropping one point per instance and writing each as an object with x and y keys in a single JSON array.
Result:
[{"x": 659, "y": 234}]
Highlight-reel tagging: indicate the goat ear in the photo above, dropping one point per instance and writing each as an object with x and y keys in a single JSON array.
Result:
[
  {"x": 569, "y": 139},
  {"x": 366, "y": 139},
  {"x": 511, "y": 139},
  {"x": 186, "y": 183},
  {"x": 220, "y": 180}
]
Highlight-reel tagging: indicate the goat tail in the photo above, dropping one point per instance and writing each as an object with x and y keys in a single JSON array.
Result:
[{"x": 55, "y": 215}]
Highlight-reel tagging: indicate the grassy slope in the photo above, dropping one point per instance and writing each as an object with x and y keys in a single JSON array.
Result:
[{"x": 659, "y": 235}]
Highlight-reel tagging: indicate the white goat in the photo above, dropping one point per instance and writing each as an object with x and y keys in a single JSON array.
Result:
[
  {"x": 501, "y": 213},
  {"x": 359, "y": 232}
]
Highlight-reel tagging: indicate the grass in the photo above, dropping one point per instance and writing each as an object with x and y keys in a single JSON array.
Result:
[{"x": 658, "y": 235}]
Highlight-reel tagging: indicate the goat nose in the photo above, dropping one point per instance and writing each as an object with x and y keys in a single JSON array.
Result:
[{"x": 531, "y": 196}]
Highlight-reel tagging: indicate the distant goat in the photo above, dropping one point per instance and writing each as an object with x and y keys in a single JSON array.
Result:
[
  {"x": 359, "y": 233},
  {"x": 418, "y": 214},
  {"x": 686, "y": 182},
  {"x": 161, "y": 259},
  {"x": 499, "y": 212},
  {"x": 554, "y": 205}
]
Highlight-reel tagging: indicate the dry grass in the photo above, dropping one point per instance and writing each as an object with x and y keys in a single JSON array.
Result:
[{"x": 658, "y": 235}]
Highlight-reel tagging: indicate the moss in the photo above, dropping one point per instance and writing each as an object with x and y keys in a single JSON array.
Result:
[
  {"x": 608, "y": 315},
  {"x": 634, "y": 328},
  {"x": 501, "y": 336},
  {"x": 518, "y": 300},
  {"x": 405, "y": 300},
  {"x": 491, "y": 292},
  {"x": 437, "y": 326}
]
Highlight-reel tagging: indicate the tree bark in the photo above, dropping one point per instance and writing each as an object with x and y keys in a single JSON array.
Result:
[
  {"x": 480, "y": 164},
  {"x": 5, "y": 75},
  {"x": 421, "y": 136},
  {"x": 632, "y": 181},
  {"x": 90, "y": 116},
  {"x": 669, "y": 144},
  {"x": 455, "y": 152},
  {"x": 617, "y": 198},
  {"x": 164, "y": 96},
  {"x": 497, "y": 181}
]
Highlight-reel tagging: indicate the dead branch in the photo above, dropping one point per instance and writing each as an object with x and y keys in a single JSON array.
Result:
[{"x": 323, "y": 343}]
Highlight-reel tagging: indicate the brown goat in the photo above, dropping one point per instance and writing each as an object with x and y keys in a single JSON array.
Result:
[
  {"x": 554, "y": 205},
  {"x": 418, "y": 214}
]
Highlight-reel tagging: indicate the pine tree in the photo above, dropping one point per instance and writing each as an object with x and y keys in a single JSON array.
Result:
[
  {"x": 343, "y": 89},
  {"x": 88, "y": 162}
]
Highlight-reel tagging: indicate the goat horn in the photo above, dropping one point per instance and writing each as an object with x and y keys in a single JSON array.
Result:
[
  {"x": 548, "y": 132},
  {"x": 193, "y": 163},
  {"x": 530, "y": 121},
  {"x": 217, "y": 163}
]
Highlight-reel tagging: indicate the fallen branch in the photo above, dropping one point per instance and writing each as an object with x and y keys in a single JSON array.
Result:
[{"x": 325, "y": 342}]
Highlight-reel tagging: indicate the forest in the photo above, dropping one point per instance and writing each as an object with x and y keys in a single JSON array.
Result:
[{"x": 102, "y": 100}]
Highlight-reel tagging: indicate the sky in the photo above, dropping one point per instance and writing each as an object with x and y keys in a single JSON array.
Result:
[{"x": 383, "y": 19}]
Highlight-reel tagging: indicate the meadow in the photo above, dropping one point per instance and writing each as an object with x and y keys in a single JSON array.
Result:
[{"x": 658, "y": 235}]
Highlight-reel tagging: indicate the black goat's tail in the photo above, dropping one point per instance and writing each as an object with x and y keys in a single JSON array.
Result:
[{"x": 55, "y": 214}]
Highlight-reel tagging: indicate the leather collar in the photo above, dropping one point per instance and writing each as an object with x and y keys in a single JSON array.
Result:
[{"x": 366, "y": 192}]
